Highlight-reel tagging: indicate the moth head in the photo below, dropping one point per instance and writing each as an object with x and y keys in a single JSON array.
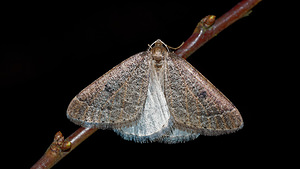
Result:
[{"x": 159, "y": 50}]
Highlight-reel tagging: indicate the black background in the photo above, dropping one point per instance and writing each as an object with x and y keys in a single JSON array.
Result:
[{"x": 50, "y": 52}]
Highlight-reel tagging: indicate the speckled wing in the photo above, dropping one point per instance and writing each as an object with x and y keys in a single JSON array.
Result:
[
  {"x": 195, "y": 104},
  {"x": 116, "y": 99}
]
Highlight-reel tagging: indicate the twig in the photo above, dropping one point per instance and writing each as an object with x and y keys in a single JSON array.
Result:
[
  {"x": 200, "y": 35},
  {"x": 61, "y": 147},
  {"x": 204, "y": 31}
]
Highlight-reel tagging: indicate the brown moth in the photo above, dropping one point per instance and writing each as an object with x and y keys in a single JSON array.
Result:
[{"x": 155, "y": 96}]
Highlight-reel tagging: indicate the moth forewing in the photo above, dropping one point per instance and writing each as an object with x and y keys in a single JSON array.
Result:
[
  {"x": 116, "y": 99},
  {"x": 196, "y": 104}
]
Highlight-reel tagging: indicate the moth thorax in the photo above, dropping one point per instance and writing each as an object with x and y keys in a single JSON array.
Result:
[{"x": 159, "y": 52}]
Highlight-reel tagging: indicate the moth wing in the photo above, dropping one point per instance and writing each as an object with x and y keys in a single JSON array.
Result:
[
  {"x": 116, "y": 99},
  {"x": 195, "y": 104}
]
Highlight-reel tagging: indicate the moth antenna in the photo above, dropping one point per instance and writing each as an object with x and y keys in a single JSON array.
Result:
[
  {"x": 158, "y": 40},
  {"x": 167, "y": 46},
  {"x": 152, "y": 44},
  {"x": 176, "y": 47}
]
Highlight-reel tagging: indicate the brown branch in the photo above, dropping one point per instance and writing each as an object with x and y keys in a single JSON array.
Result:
[
  {"x": 61, "y": 147},
  {"x": 205, "y": 30},
  {"x": 201, "y": 35}
]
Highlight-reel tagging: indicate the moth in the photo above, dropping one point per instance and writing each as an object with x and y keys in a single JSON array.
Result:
[{"x": 155, "y": 96}]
